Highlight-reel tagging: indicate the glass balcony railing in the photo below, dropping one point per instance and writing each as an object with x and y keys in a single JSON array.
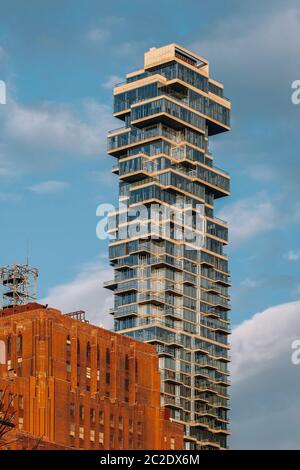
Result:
[
  {"x": 134, "y": 136},
  {"x": 162, "y": 105}
]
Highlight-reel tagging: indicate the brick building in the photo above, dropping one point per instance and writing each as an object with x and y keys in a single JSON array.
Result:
[{"x": 80, "y": 386}]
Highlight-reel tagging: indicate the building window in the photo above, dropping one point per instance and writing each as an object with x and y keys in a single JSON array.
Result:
[
  {"x": 101, "y": 417},
  {"x": 81, "y": 412},
  {"x": 72, "y": 429},
  {"x": 9, "y": 345},
  {"x": 68, "y": 345},
  {"x": 107, "y": 356},
  {"x": 98, "y": 375},
  {"x": 10, "y": 399},
  {"x": 126, "y": 384},
  {"x": 92, "y": 435},
  {"x": 120, "y": 422},
  {"x": 88, "y": 350},
  {"x": 98, "y": 354},
  {"x": 130, "y": 425},
  {"x": 2, "y": 352},
  {"x": 20, "y": 402},
  {"x": 20, "y": 423},
  {"x": 112, "y": 421},
  {"x": 101, "y": 438},
  {"x": 92, "y": 416},
  {"x": 88, "y": 372},
  {"x": 126, "y": 362},
  {"x": 68, "y": 366},
  {"x": 72, "y": 409},
  {"x": 19, "y": 344},
  {"x": 81, "y": 432},
  {"x": 107, "y": 378},
  {"x": 78, "y": 347},
  {"x": 172, "y": 443},
  {"x": 19, "y": 366}
]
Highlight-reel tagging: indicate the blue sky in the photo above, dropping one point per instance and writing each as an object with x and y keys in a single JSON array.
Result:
[{"x": 60, "y": 60}]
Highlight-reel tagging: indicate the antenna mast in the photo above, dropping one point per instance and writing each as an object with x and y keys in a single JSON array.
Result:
[{"x": 18, "y": 284}]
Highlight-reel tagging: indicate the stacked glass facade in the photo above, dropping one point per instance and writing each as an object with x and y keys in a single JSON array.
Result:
[{"x": 171, "y": 275}]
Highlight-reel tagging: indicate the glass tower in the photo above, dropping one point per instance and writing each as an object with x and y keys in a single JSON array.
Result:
[{"x": 171, "y": 274}]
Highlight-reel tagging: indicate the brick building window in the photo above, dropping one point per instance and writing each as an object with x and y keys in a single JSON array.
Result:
[
  {"x": 19, "y": 366},
  {"x": 20, "y": 423},
  {"x": 88, "y": 372},
  {"x": 20, "y": 402},
  {"x": 81, "y": 412},
  {"x": 126, "y": 384},
  {"x": 68, "y": 345},
  {"x": 72, "y": 429},
  {"x": 92, "y": 416},
  {"x": 120, "y": 422},
  {"x": 101, "y": 417},
  {"x": 72, "y": 409},
  {"x": 78, "y": 347},
  {"x": 19, "y": 344},
  {"x": 81, "y": 432},
  {"x": 172, "y": 443},
  {"x": 88, "y": 350},
  {"x": 130, "y": 425},
  {"x": 112, "y": 421},
  {"x": 78, "y": 374},
  {"x": 107, "y": 378},
  {"x": 126, "y": 362},
  {"x": 101, "y": 438},
  {"x": 8, "y": 346},
  {"x": 107, "y": 356},
  {"x": 92, "y": 435},
  {"x": 10, "y": 399},
  {"x": 68, "y": 366}
]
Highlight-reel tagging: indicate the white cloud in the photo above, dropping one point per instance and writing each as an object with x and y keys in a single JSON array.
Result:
[
  {"x": 255, "y": 48},
  {"x": 261, "y": 172},
  {"x": 112, "y": 81},
  {"x": 292, "y": 255},
  {"x": 57, "y": 126},
  {"x": 265, "y": 383},
  {"x": 103, "y": 32},
  {"x": 250, "y": 217},
  {"x": 98, "y": 35},
  {"x": 85, "y": 292},
  {"x": 8, "y": 197},
  {"x": 49, "y": 187},
  {"x": 46, "y": 135},
  {"x": 250, "y": 283}
]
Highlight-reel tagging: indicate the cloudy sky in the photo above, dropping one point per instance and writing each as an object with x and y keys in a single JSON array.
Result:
[{"x": 60, "y": 59}]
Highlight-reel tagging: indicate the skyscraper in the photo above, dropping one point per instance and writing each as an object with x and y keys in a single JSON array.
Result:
[{"x": 171, "y": 274}]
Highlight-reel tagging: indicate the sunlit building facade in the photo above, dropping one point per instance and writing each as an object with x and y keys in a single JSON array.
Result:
[{"x": 171, "y": 274}]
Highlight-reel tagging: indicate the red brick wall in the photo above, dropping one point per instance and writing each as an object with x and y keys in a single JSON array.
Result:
[{"x": 108, "y": 375}]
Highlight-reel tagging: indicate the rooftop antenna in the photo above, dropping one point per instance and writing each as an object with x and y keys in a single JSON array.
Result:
[{"x": 18, "y": 283}]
